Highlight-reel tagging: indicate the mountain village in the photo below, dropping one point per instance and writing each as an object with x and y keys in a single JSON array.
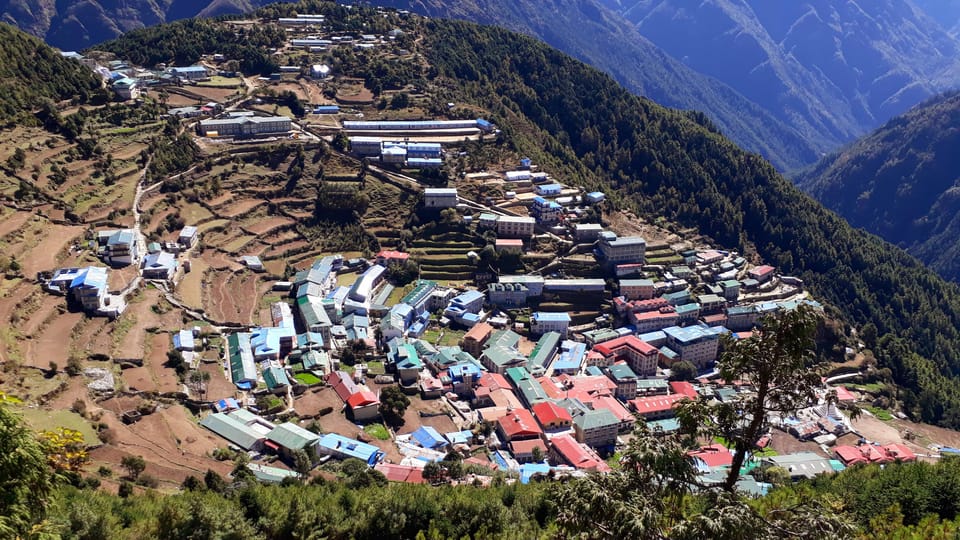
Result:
[{"x": 535, "y": 354}]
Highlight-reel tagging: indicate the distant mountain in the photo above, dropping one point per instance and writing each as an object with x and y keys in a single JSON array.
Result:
[
  {"x": 596, "y": 35},
  {"x": 902, "y": 182},
  {"x": 945, "y": 12},
  {"x": 832, "y": 69},
  {"x": 77, "y": 25},
  {"x": 31, "y": 72}
]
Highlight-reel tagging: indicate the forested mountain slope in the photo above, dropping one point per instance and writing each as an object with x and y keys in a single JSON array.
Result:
[
  {"x": 833, "y": 69},
  {"x": 902, "y": 182},
  {"x": 75, "y": 25},
  {"x": 670, "y": 163},
  {"x": 587, "y": 30},
  {"x": 31, "y": 72}
]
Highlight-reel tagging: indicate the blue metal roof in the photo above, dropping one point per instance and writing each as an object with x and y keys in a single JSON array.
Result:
[
  {"x": 543, "y": 316},
  {"x": 428, "y": 437},
  {"x": 344, "y": 446}
]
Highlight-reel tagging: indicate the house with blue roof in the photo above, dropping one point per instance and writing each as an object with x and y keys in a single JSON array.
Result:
[
  {"x": 572, "y": 354},
  {"x": 549, "y": 190},
  {"x": 464, "y": 376},
  {"x": 270, "y": 343},
  {"x": 467, "y": 303},
  {"x": 120, "y": 247},
  {"x": 340, "y": 447},
  {"x": 160, "y": 265},
  {"x": 183, "y": 341},
  {"x": 428, "y": 437},
  {"x": 460, "y": 437},
  {"x": 542, "y": 322},
  {"x": 89, "y": 287},
  {"x": 190, "y": 73},
  {"x": 697, "y": 344}
]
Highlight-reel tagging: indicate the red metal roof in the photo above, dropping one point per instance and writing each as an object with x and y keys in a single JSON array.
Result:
[
  {"x": 519, "y": 424},
  {"x": 401, "y": 473},
  {"x": 654, "y": 404},
  {"x": 899, "y": 452},
  {"x": 578, "y": 455},
  {"x": 683, "y": 388},
  {"x": 844, "y": 395},
  {"x": 362, "y": 399},
  {"x": 715, "y": 455},
  {"x": 550, "y": 413},
  {"x": 527, "y": 446},
  {"x": 610, "y": 348},
  {"x": 493, "y": 381},
  {"x": 613, "y": 405},
  {"x": 391, "y": 255}
]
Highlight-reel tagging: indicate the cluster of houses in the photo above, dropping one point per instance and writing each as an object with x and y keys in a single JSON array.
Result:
[
  {"x": 306, "y": 26},
  {"x": 89, "y": 286}
]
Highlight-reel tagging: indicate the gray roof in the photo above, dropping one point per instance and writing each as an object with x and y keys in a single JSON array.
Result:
[{"x": 232, "y": 430}]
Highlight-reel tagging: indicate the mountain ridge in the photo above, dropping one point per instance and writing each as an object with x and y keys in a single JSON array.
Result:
[
  {"x": 899, "y": 182},
  {"x": 831, "y": 69},
  {"x": 600, "y": 37}
]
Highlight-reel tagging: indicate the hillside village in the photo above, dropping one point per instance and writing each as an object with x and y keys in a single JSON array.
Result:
[{"x": 527, "y": 330}]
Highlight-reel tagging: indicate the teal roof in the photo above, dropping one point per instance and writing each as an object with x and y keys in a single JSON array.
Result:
[
  {"x": 268, "y": 474},
  {"x": 275, "y": 377},
  {"x": 502, "y": 356},
  {"x": 620, "y": 372},
  {"x": 529, "y": 388}
]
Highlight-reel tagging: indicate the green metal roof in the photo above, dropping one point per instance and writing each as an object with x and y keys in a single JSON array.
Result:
[
  {"x": 275, "y": 377},
  {"x": 595, "y": 419},
  {"x": 620, "y": 372},
  {"x": 545, "y": 349},
  {"x": 292, "y": 436}
]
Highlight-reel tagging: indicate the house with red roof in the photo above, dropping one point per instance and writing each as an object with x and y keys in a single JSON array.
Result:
[
  {"x": 844, "y": 395},
  {"x": 565, "y": 449},
  {"x": 342, "y": 384},
  {"x": 612, "y": 404},
  {"x": 523, "y": 451},
  {"x": 493, "y": 390},
  {"x": 713, "y": 456},
  {"x": 401, "y": 473},
  {"x": 551, "y": 416},
  {"x": 762, "y": 273},
  {"x": 655, "y": 407},
  {"x": 638, "y": 354},
  {"x": 589, "y": 386},
  {"x": 683, "y": 388},
  {"x": 518, "y": 425},
  {"x": 388, "y": 257},
  {"x": 868, "y": 453},
  {"x": 364, "y": 405}
]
